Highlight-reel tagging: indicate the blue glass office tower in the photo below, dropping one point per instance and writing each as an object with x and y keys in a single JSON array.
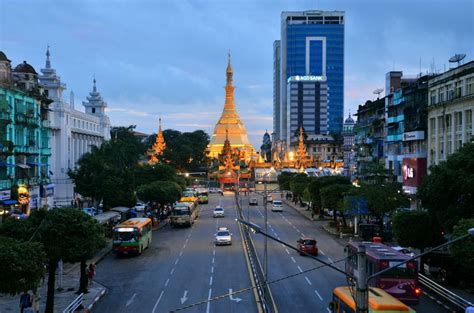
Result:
[{"x": 312, "y": 44}]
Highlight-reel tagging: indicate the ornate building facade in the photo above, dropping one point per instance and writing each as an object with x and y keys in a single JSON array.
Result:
[{"x": 73, "y": 132}]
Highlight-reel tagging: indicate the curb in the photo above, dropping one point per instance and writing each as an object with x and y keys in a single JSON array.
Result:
[
  {"x": 290, "y": 204},
  {"x": 96, "y": 299}
]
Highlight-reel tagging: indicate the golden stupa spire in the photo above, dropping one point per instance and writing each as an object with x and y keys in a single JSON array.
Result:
[
  {"x": 301, "y": 149},
  {"x": 158, "y": 147}
]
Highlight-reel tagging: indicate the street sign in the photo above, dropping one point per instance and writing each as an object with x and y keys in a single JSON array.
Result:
[{"x": 356, "y": 206}]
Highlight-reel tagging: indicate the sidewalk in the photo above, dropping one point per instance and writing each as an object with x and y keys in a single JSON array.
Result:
[{"x": 70, "y": 284}]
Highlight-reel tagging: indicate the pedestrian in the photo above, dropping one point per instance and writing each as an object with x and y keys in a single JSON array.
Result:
[
  {"x": 35, "y": 303},
  {"x": 91, "y": 273},
  {"x": 25, "y": 301}
]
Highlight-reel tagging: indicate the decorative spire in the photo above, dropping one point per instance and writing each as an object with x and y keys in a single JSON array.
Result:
[
  {"x": 94, "y": 89},
  {"x": 158, "y": 147},
  {"x": 229, "y": 88},
  {"x": 302, "y": 158},
  {"x": 48, "y": 61}
]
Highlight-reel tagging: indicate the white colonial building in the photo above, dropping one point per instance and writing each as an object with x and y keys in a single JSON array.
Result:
[{"x": 73, "y": 132}]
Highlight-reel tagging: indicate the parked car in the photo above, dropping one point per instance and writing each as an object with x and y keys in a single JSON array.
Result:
[
  {"x": 308, "y": 245},
  {"x": 139, "y": 207},
  {"x": 253, "y": 201},
  {"x": 269, "y": 198},
  {"x": 216, "y": 190},
  {"x": 223, "y": 237},
  {"x": 277, "y": 206},
  {"x": 218, "y": 212},
  {"x": 92, "y": 211}
]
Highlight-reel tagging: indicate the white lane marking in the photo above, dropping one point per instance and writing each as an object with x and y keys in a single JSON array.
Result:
[
  {"x": 210, "y": 281},
  {"x": 214, "y": 252},
  {"x": 158, "y": 301},
  {"x": 181, "y": 253},
  {"x": 131, "y": 300},
  {"x": 209, "y": 302},
  {"x": 293, "y": 259},
  {"x": 184, "y": 298},
  {"x": 176, "y": 262},
  {"x": 187, "y": 239},
  {"x": 212, "y": 269},
  {"x": 281, "y": 243},
  {"x": 212, "y": 260},
  {"x": 319, "y": 296},
  {"x": 328, "y": 310},
  {"x": 236, "y": 299},
  {"x": 322, "y": 252},
  {"x": 172, "y": 271},
  {"x": 299, "y": 269},
  {"x": 330, "y": 260},
  {"x": 287, "y": 251},
  {"x": 184, "y": 246},
  {"x": 167, "y": 282},
  {"x": 307, "y": 280}
]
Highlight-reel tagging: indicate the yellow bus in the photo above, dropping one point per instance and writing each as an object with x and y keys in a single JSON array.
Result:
[
  {"x": 132, "y": 236},
  {"x": 379, "y": 302}
]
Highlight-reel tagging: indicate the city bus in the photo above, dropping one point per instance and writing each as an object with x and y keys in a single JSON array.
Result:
[
  {"x": 132, "y": 236},
  {"x": 184, "y": 213},
  {"x": 400, "y": 282},
  {"x": 379, "y": 302}
]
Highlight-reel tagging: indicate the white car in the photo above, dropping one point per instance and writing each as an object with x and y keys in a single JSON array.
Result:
[
  {"x": 223, "y": 237},
  {"x": 253, "y": 201},
  {"x": 139, "y": 207},
  {"x": 277, "y": 206},
  {"x": 269, "y": 198},
  {"x": 218, "y": 212}
]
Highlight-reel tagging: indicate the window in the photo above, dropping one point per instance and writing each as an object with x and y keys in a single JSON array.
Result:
[
  {"x": 470, "y": 86},
  {"x": 459, "y": 88},
  {"x": 449, "y": 92},
  {"x": 441, "y": 94},
  {"x": 93, "y": 110},
  {"x": 433, "y": 97},
  {"x": 458, "y": 120}
]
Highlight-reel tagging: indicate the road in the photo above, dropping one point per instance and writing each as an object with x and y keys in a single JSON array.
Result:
[
  {"x": 181, "y": 268},
  {"x": 307, "y": 288}
]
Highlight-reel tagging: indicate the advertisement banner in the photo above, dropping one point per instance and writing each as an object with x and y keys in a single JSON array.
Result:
[
  {"x": 413, "y": 171},
  {"x": 415, "y": 135},
  {"x": 5, "y": 194}
]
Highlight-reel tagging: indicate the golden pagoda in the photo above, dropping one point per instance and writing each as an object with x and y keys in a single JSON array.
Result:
[
  {"x": 302, "y": 159},
  {"x": 158, "y": 147},
  {"x": 230, "y": 125}
]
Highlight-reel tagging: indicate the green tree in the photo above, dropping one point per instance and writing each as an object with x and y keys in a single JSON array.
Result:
[
  {"x": 284, "y": 180},
  {"x": 448, "y": 192},
  {"x": 332, "y": 197},
  {"x": 416, "y": 229},
  {"x": 21, "y": 265},
  {"x": 463, "y": 251},
  {"x": 68, "y": 235},
  {"x": 315, "y": 185},
  {"x": 297, "y": 186},
  {"x": 161, "y": 192}
]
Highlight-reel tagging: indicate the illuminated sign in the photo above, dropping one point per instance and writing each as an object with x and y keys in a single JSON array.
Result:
[
  {"x": 307, "y": 78},
  {"x": 415, "y": 135}
]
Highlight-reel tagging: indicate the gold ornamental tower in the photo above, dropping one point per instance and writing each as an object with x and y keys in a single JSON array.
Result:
[{"x": 230, "y": 126}]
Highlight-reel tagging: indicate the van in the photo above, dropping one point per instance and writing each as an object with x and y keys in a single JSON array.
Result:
[{"x": 277, "y": 206}]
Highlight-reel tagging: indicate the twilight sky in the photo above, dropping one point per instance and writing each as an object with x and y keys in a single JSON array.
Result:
[{"x": 167, "y": 57}]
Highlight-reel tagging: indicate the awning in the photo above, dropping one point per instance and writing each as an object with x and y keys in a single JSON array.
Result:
[
  {"x": 37, "y": 164},
  {"x": 23, "y": 165},
  {"x": 9, "y": 202}
]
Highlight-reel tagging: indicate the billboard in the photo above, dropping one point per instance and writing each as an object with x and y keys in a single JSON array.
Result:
[{"x": 413, "y": 171}]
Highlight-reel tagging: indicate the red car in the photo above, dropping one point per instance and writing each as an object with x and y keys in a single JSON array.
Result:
[{"x": 308, "y": 245}]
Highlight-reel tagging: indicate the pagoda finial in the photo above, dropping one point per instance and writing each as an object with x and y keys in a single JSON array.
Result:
[
  {"x": 48, "y": 61},
  {"x": 156, "y": 152},
  {"x": 94, "y": 89}
]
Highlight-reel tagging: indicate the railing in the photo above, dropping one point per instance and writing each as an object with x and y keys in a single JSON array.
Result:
[
  {"x": 75, "y": 304},
  {"x": 5, "y": 183},
  {"x": 444, "y": 294},
  {"x": 5, "y": 116},
  {"x": 265, "y": 298}
]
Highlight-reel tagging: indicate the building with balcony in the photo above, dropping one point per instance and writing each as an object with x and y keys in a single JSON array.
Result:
[
  {"x": 450, "y": 112},
  {"x": 324, "y": 149},
  {"x": 369, "y": 133},
  {"x": 406, "y": 116},
  {"x": 348, "y": 146},
  {"x": 24, "y": 139},
  {"x": 73, "y": 132}
]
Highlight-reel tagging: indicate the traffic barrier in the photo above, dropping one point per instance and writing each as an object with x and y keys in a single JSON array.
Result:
[
  {"x": 447, "y": 296},
  {"x": 75, "y": 304}
]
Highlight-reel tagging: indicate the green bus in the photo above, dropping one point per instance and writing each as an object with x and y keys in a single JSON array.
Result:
[{"x": 132, "y": 236}]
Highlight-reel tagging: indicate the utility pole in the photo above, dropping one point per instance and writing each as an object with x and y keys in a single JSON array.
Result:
[
  {"x": 362, "y": 295},
  {"x": 265, "y": 254}
]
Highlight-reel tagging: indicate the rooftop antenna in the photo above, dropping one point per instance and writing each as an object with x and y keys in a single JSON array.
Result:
[
  {"x": 457, "y": 58},
  {"x": 377, "y": 92}
]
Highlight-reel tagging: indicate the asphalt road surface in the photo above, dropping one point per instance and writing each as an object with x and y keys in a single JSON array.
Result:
[{"x": 182, "y": 267}]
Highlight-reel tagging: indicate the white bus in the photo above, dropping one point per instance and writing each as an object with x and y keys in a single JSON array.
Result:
[{"x": 184, "y": 213}]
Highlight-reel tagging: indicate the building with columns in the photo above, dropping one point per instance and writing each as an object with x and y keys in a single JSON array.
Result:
[
  {"x": 73, "y": 132},
  {"x": 348, "y": 146},
  {"x": 450, "y": 112}
]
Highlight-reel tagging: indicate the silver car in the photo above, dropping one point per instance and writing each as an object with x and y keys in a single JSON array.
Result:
[
  {"x": 223, "y": 237},
  {"x": 218, "y": 212}
]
